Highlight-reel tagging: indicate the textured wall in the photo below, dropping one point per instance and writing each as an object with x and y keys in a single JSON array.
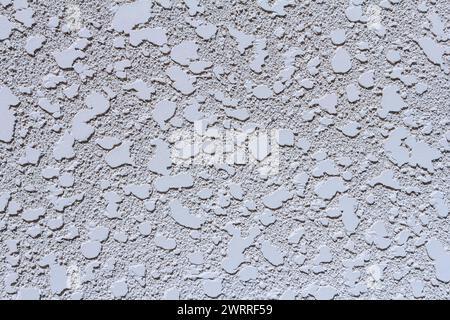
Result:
[{"x": 279, "y": 149}]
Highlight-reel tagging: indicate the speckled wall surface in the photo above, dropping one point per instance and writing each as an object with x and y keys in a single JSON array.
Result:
[{"x": 248, "y": 149}]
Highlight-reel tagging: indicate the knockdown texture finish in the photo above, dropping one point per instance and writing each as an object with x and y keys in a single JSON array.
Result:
[{"x": 241, "y": 149}]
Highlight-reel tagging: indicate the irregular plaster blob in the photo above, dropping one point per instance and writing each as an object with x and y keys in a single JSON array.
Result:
[
  {"x": 341, "y": 61},
  {"x": 29, "y": 294},
  {"x": 351, "y": 129},
  {"x": 7, "y": 118},
  {"x": 417, "y": 287},
  {"x": 312, "y": 66},
  {"x": 421, "y": 88},
  {"x": 391, "y": 101},
  {"x": 66, "y": 58},
  {"x": 71, "y": 91},
  {"x": 182, "y": 180},
  {"x": 53, "y": 108},
  {"x": 162, "y": 160},
  {"x": 206, "y": 31},
  {"x": 120, "y": 66},
  {"x": 244, "y": 40},
  {"x": 34, "y": 43},
  {"x": 156, "y": 36},
  {"x": 272, "y": 253},
  {"x": 236, "y": 191},
  {"x": 119, "y": 288},
  {"x": 6, "y": 27},
  {"x": 99, "y": 233},
  {"x": 378, "y": 235},
  {"x": 196, "y": 258},
  {"x": 262, "y": 92},
  {"x": 438, "y": 27},
  {"x": 296, "y": 235},
  {"x": 437, "y": 200},
  {"x": 236, "y": 247},
  {"x": 50, "y": 173},
  {"x": 205, "y": 194},
  {"x": 328, "y": 102},
  {"x": 143, "y": 91},
  {"x": 97, "y": 102},
  {"x": 56, "y": 223},
  {"x": 172, "y": 294},
  {"x": 260, "y": 56},
  {"x": 138, "y": 272},
  {"x": 285, "y": 137},
  {"x": 140, "y": 191},
  {"x": 441, "y": 258},
  {"x": 82, "y": 131},
  {"x": 241, "y": 114},
  {"x": 194, "y": 7},
  {"x": 386, "y": 178},
  {"x": 129, "y": 15},
  {"x": 307, "y": 84},
  {"x": 121, "y": 236},
  {"x": 212, "y": 288},
  {"x": 145, "y": 228},
  {"x": 327, "y": 166},
  {"x": 60, "y": 203},
  {"x": 366, "y": 79},
  {"x": 198, "y": 67},
  {"x": 165, "y": 243},
  {"x": 32, "y": 156},
  {"x": 184, "y": 53},
  {"x": 433, "y": 50},
  {"x": 354, "y": 13},
  {"x": 422, "y": 154},
  {"x": 352, "y": 92},
  {"x": 91, "y": 249},
  {"x": 192, "y": 114},
  {"x": 275, "y": 199},
  {"x": 248, "y": 273},
  {"x": 25, "y": 16},
  {"x": 181, "y": 80},
  {"x": 163, "y": 111},
  {"x": 348, "y": 207},
  {"x": 64, "y": 147},
  {"x": 120, "y": 155},
  {"x": 392, "y": 146},
  {"x": 51, "y": 81},
  {"x": 108, "y": 143},
  {"x": 393, "y": 56},
  {"x": 324, "y": 256},
  {"x": 112, "y": 207},
  {"x": 83, "y": 70},
  {"x": 324, "y": 293},
  {"x": 183, "y": 216},
  {"x": 267, "y": 218},
  {"x": 58, "y": 279},
  {"x": 31, "y": 215},
  {"x": 329, "y": 188},
  {"x": 277, "y": 7},
  {"x": 4, "y": 200},
  {"x": 338, "y": 36}
]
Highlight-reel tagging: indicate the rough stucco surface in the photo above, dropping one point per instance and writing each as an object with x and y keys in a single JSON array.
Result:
[{"x": 224, "y": 149}]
